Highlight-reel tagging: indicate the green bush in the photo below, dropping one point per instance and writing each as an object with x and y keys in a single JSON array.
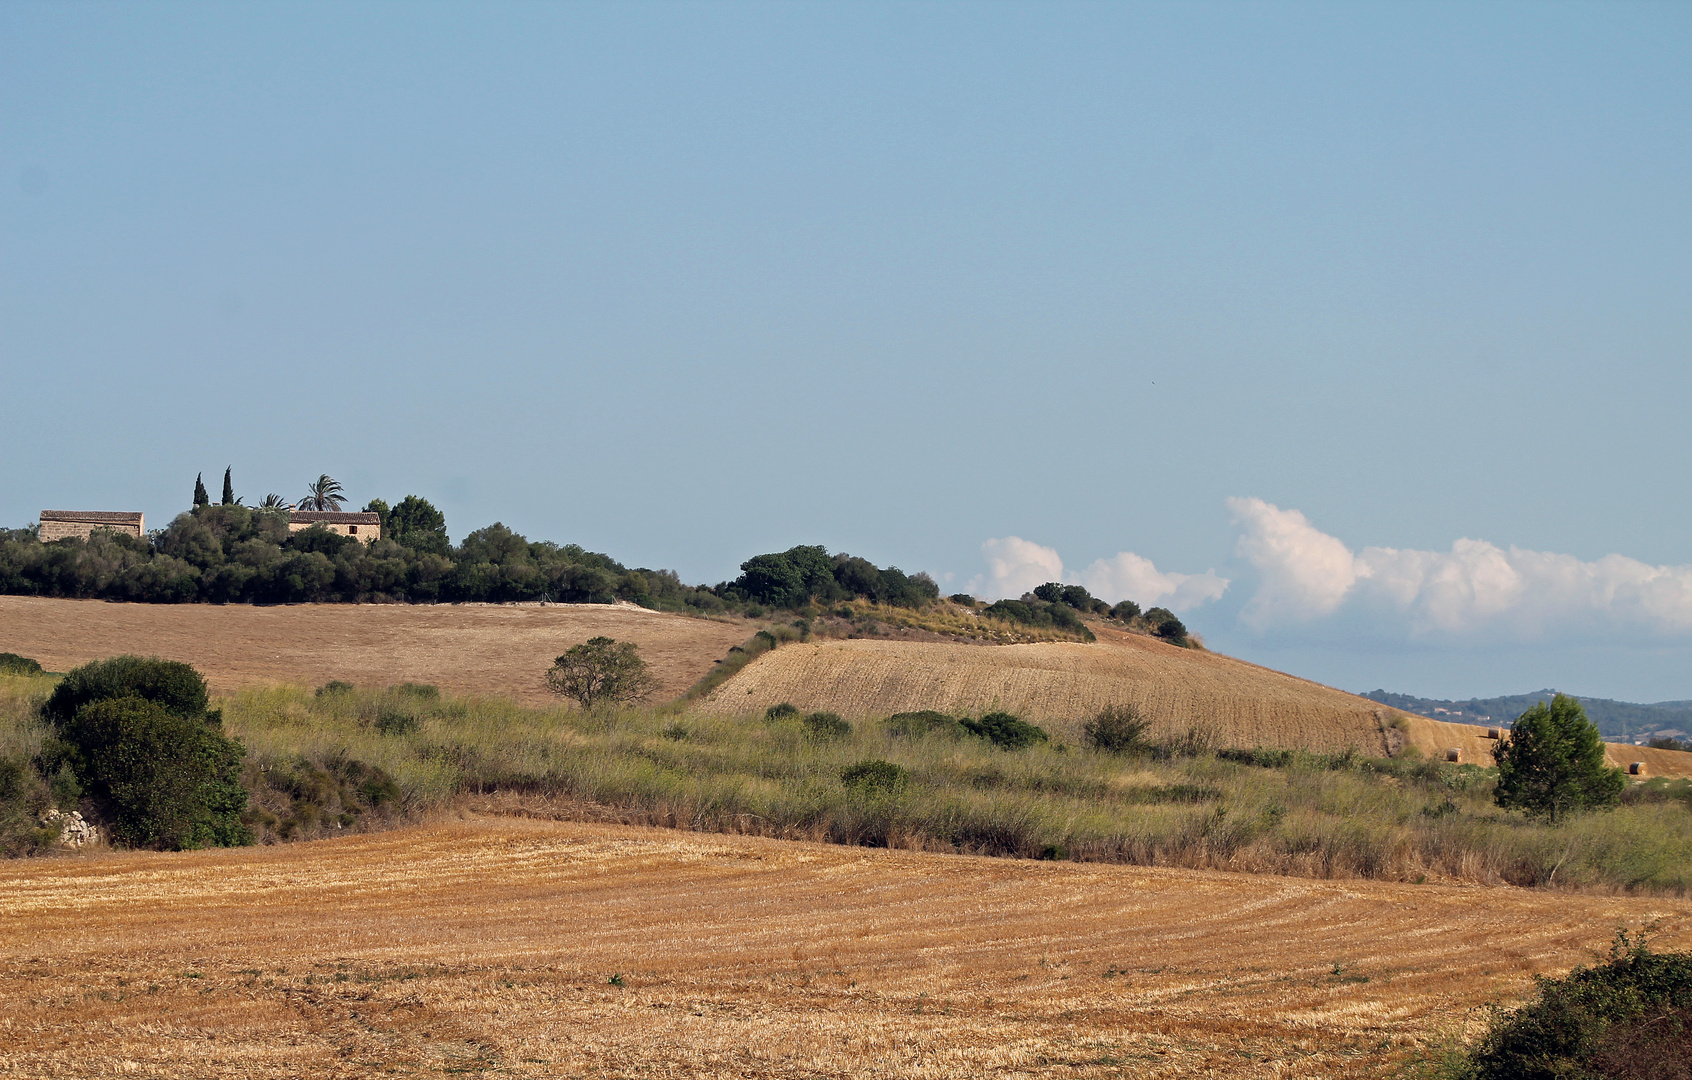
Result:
[
  {"x": 1628, "y": 1018},
  {"x": 1005, "y": 731},
  {"x": 964, "y": 599},
  {"x": 333, "y": 687},
  {"x": 175, "y": 687},
  {"x": 1126, "y": 611},
  {"x": 1165, "y": 625},
  {"x": 170, "y": 781},
  {"x": 827, "y": 725},
  {"x": 917, "y": 725},
  {"x": 781, "y": 712},
  {"x": 875, "y": 775},
  {"x": 1117, "y": 729},
  {"x": 13, "y": 664},
  {"x": 421, "y": 691}
]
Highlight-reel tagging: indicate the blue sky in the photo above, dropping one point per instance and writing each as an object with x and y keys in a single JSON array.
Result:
[{"x": 1245, "y": 291}]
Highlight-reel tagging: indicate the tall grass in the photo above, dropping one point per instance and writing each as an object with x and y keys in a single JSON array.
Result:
[{"x": 1302, "y": 814}]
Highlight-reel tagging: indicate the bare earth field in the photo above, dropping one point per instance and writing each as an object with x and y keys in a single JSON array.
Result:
[
  {"x": 490, "y": 946},
  {"x": 466, "y": 649}
]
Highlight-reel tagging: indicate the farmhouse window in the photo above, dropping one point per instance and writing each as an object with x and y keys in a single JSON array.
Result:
[{"x": 352, "y": 530}]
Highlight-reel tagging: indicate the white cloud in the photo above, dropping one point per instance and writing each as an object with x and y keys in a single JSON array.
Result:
[
  {"x": 1127, "y": 576},
  {"x": 1015, "y": 565},
  {"x": 1303, "y": 573},
  {"x": 1306, "y": 574}
]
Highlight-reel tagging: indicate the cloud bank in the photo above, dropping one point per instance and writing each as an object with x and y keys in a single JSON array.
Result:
[
  {"x": 1015, "y": 566},
  {"x": 1304, "y": 575}
]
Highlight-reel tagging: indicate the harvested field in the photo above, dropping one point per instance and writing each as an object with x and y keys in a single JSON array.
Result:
[
  {"x": 462, "y": 648},
  {"x": 1240, "y": 703},
  {"x": 540, "y": 949},
  {"x": 1060, "y": 684}
]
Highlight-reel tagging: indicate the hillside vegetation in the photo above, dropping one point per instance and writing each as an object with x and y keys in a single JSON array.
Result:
[{"x": 323, "y": 762}]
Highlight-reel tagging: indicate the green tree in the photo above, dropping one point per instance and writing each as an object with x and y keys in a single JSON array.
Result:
[
  {"x": 601, "y": 671},
  {"x": 201, "y": 496},
  {"x": 417, "y": 524},
  {"x": 228, "y": 486},
  {"x": 1553, "y": 763},
  {"x": 324, "y": 493}
]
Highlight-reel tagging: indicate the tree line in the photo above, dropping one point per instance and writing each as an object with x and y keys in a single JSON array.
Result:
[{"x": 230, "y": 553}]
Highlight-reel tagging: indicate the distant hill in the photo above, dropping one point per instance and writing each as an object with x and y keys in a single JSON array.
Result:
[{"x": 1618, "y": 721}]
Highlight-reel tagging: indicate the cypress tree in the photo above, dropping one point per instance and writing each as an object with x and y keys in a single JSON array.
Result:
[
  {"x": 201, "y": 498},
  {"x": 228, "y": 488}
]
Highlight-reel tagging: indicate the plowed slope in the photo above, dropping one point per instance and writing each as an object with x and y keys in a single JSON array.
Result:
[
  {"x": 1060, "y": 684},
  {"x": 521, "y": 948}
]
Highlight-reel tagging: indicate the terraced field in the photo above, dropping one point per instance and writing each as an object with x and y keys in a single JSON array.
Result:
[{"x": 524, "y": 948}]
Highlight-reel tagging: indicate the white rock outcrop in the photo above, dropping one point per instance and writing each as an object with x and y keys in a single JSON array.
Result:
[{"x": 73, "y": 831}]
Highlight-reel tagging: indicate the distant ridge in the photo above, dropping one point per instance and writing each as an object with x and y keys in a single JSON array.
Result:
[{"x": 1618, "y": 721}]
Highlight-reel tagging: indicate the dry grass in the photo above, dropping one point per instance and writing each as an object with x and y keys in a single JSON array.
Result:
[
  {"x": 490, "y": 947},
  {"x": 464, "y": 648},
  {"x": 1060, "y": 684},
  {"x": 1239, "y": 703}
]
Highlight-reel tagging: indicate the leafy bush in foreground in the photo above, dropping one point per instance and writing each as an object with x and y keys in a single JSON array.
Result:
[
  {"x": 173, "y": 686},
  {"x": 875, "y": 775},
  {"x": 1628, "y": 1018},
  {"x": 13, "y": 664},
  {"x": 1117, "y": 729},
  {"x": 917, "y": 725},
  {"x": 171, "y": 781},
  {"x": 827, "y": 725},
  {"x": 1005, "y": 731}
]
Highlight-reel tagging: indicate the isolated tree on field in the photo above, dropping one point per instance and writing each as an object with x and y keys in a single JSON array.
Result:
[
  {"x": 228, "y": 487},
  {"x": 201, "y": 496},
  {"x": 1553, "y": 763},
  {"x": 323, "y": 494},
  {"x": 601, "y": 671}
]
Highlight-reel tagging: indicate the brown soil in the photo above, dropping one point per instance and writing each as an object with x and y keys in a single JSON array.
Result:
[
  {"x": 468, "y": 648},
  {"x": 496, "y": 946}
]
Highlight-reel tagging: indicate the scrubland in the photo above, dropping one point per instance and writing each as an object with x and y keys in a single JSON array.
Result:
[
  {"x": 1327, "y": 816},
  {"x": 545, "y": 949}
]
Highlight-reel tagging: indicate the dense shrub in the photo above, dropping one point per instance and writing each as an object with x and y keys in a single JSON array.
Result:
[
  {"x": 1630, "y": 1017},
  {"x": 23, "y": 798},
  {"x": 1040, "y": 613},
  {"x": 1005, "y": 731},
  {"x": 809, "y": 574},
  {"x": 827, "y": 725},
  {"x": 781, "y": 712},
  {"x": 173, "y": 686},
  {"x": 875, "y": 775},
  {"x": 1075, "y": 596},
  {"x": 1553, "y": 763},
  {"x": 169, "y": 781},
  {"x": 1126, "y": 611},
  {"x": 1117, "y": 729},
  {"x": 1163, "y": 623},
  {"x": 13, "y": 664},
  {"x": 917, "y": 725}
]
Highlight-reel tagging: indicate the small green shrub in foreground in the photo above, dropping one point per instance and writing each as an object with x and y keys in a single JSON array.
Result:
[
  {"x": 1117, "y": 729},
  {"x": 827, "y": 725},
  {"x": 1629, "y": 1018},
  {"x": 781, "y": 712},
  {"x": 875, "y": 775},
  {"x": 1005, "y": 731},
  {"x": 13, "y": 664}
]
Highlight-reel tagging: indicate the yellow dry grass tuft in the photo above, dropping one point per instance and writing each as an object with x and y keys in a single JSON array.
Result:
[{"x": 524, "y": 948}]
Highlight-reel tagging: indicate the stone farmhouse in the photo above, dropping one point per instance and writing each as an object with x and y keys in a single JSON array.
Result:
[
  {"x": 361, "y": 526},
  {"x": 62, "y": 524}
]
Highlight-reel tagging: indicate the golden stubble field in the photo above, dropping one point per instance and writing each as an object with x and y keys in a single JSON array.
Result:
[
  {"x": 525, "y": 948},
  {"x": 462, "y": 648}
]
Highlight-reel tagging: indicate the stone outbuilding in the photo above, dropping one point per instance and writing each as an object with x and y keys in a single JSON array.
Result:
[
  {"x": 360, "y": 526},
  {"x": 62, "y": 524}
]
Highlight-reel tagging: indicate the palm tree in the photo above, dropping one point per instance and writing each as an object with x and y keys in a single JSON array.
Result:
[
  {"x": 324, "y": 494},
  {"x": 274, "y": 501}
]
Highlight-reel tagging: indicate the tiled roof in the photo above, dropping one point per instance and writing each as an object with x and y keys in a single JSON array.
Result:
[
  {"x": 124, "y": 517},
  {"x": 332, "y": 517}
]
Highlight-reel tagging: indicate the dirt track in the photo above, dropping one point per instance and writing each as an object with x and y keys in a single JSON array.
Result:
[
  {"x": 491, "y": 945},
  {"x": 470, "y": 648}
]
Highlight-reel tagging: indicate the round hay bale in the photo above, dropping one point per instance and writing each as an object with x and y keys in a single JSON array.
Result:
[
  {"x": 1636, "y": 769},
  {"x": 1494, "y": 733},
  {"x": 1454, "y": 754}
]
